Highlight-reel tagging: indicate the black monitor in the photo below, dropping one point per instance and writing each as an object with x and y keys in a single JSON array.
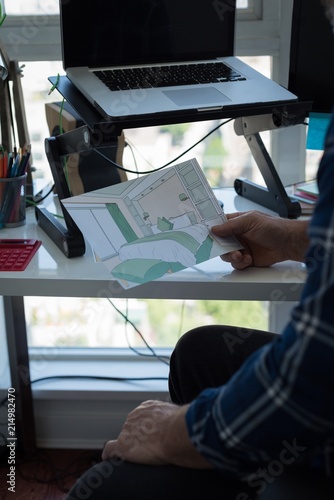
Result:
[{"x": 311, "y": 75}]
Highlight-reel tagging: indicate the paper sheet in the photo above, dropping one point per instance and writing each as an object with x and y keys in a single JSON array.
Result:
[{"x": 152, "y": 226}]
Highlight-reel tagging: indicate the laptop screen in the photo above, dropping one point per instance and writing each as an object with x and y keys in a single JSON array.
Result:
[{"x": 103, "y": 33}]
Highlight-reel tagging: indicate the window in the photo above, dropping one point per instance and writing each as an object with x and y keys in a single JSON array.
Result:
[
  {"x": 31, "y": 36},
  {"x": 31, "y": 7},
  {"x": 31, "y": 30},
  {"x": 98, "y": 322}
]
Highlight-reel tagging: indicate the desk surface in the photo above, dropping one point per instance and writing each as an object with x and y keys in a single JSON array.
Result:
[{"x": 50, "y": 273}]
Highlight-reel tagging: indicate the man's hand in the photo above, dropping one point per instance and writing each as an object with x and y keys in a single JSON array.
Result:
[
  {"x": 266, "y": 239},
  {"x": 155, "y": 433}
]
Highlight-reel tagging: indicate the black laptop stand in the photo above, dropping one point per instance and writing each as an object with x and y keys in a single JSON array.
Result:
[
  {"x": 98, "y": 133},
  {"x": 94, "y": 135},
  {"x": 274, "y": 196}
]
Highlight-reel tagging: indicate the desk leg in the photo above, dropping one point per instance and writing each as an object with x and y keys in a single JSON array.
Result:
[
  {"x": 279, "y": 314},
  {"x": 20, "y": 373}
]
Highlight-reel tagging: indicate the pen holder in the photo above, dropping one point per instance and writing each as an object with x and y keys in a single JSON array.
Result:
[{"x": 13, "y": 201}]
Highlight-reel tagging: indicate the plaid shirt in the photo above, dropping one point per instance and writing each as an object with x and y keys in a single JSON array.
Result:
[{"x": 278, "y": 409}]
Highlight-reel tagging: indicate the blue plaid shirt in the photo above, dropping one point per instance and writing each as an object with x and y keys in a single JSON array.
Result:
[{"x": 278, "y": 409}]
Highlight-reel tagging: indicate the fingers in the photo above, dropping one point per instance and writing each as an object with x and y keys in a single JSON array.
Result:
[
  {"x": 110, "y": 450},
  {"x": 238, "y": 223},
  {"x": 234, "y": 215},
  {"x": 134, "y": 431},
  {"x": 238, "y": 259}
]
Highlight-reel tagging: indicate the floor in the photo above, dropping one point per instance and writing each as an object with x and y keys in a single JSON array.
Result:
[{"x": 47, "y": 475}]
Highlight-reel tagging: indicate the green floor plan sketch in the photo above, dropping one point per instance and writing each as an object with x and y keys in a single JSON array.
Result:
[{"x": 155, "y": 224}]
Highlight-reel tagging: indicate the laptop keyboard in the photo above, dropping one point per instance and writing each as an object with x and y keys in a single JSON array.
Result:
[{"x": 168, "y": 76}]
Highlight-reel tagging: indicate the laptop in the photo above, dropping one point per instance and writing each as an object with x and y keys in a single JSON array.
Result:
[{"x": 122, "y": 56}]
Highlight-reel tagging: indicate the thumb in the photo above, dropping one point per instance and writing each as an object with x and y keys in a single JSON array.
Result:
[{"x": 229, "y": 228}]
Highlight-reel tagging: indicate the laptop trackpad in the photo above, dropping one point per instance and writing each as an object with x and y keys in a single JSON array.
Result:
[{"x": 196, "y": 97}]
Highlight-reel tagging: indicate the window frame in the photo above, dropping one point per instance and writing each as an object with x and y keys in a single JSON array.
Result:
[
  {"x": 261, "y": 29},
  {"x": 252, "y": 12}
]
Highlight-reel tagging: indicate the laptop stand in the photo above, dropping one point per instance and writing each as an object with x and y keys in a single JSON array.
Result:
[
  {"x": 68, "y": 237},
  {"x": 274, "y": 196},
  {"x": 97, "y": 134},
  {"x": 93, "y": 135}
]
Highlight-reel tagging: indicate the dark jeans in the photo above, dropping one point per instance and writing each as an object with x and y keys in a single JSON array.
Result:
[
  {"x": 208, "y": 357},
  {"x": 204, "y": 357}
]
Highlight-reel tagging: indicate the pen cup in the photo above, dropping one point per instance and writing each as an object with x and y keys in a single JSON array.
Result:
[{"x": 13, "y": 201}]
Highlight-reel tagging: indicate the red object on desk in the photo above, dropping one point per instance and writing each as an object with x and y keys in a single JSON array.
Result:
[{"x": 15, "y": 255}]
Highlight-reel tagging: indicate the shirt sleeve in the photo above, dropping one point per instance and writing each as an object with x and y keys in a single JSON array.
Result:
[{"x": 280, "y": 404}]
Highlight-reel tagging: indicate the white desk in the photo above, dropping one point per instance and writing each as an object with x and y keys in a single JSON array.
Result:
[{"x": 50, "y": 273}]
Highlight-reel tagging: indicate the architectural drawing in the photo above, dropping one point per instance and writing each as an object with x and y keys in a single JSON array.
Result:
[{"x": 156, "y": 224}]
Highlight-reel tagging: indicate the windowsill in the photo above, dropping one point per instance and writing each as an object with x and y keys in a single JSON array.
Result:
[{"x": 91, "y": 366}]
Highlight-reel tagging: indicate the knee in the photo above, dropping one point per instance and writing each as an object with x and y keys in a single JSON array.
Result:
[
  {"x": 189, "y": 341},
  {"x": 199, "y": 342}
]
